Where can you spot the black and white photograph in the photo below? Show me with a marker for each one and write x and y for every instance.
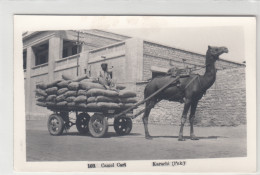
(135, 93)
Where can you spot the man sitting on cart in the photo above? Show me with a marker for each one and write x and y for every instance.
(105, 77)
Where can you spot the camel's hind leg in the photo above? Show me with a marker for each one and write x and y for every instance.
(148, 107)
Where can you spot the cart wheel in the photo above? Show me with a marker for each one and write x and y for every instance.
(98, 125)
(123, 125)
(55, 124)
(82, 123)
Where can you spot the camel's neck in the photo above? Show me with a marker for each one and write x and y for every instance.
(210, 74)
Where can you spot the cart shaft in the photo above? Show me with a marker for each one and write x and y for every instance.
(148, 98)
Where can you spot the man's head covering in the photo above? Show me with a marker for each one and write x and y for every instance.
(104, 66)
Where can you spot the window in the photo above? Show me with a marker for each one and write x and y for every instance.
(41, 53)
(69, 48)
(65, 53)
(24, 59)
(74, 50)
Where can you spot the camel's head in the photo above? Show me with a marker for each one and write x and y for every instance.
(216, 51)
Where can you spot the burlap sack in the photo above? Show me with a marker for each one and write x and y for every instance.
(70, 99)
(40, 99)
(82, 105)
(61, 98)
(120, 87)
(81, 99)
(128, 100)
(51, 104)
(90, 85)
(63, 84)
(121, 105)
(41, 104)
(91, 99)
(128, 105)
(62, 91)
(52, 84)
(92, 106)
(73, 86)
(110, 93)
(107, 99)
(101, 92)
(81, 78)
(86, 81)
(41, 86)
(40, 92)
(62, 104)
(51, 98)
(71, 104)
(82, 92)
(126, 94)
(93, 80)
(52, 90)
(66, 77)
(108, 105)
(70, 93)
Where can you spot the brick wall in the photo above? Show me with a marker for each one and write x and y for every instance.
(223, 105)
(161, 55)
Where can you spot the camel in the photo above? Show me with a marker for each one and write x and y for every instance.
(190, 90)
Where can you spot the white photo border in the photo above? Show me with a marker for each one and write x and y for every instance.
(242, 164)
(121, 7)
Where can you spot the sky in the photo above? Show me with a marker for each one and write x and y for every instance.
(191, 33)
(188, 33)
(195, 39)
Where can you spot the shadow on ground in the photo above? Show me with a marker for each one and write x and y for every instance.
(188, 137)
(107, 135)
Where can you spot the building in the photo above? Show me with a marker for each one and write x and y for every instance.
(49, 54)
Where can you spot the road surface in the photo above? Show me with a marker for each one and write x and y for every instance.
(215, 142)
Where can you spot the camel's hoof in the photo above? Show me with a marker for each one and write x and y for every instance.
(194, 138)
(148, 137)
(181, 139)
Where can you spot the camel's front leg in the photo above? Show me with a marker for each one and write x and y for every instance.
(184, 117)
(192, 117)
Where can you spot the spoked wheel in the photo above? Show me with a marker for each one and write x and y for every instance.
(82, 123)
(123, 125)
(55, 124)
(98, 125)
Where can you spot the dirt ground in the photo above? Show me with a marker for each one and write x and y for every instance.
(215, 142)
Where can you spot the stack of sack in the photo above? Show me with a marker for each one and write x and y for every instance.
(83, 93)
(109, 99)
(46, 94)
(41, 95)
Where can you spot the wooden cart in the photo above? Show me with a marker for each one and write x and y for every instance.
(97, 124)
